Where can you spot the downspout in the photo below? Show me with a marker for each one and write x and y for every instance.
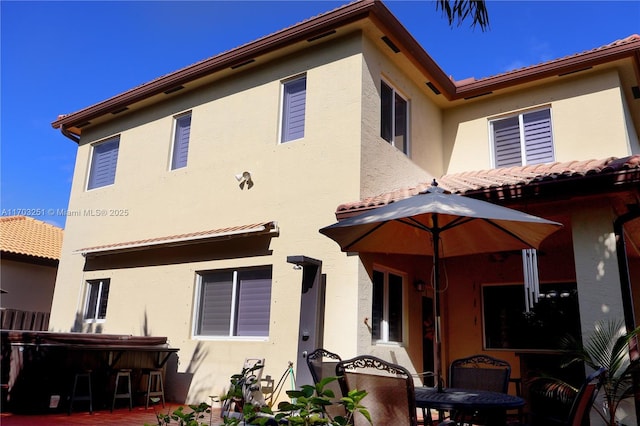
(69, 135)
(625, 284)
(623, 266)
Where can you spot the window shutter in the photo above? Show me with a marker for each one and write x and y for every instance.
(506, 139)
(254, 306)
(103, 163)
(181, 142)
(215, 305)
(293, 114)
(538, 137)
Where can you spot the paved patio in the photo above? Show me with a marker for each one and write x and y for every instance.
(139, 416)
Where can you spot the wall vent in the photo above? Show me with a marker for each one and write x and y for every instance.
(242, 64)
(573, 72)
(173, 89)
(432, 87)
(118, 111)
(323, 35)
(390, 44)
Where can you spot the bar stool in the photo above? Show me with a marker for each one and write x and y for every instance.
(76, 396)
(124, 374)
(154, 385)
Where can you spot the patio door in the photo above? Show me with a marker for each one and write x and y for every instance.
(311, 324)
(427, 338)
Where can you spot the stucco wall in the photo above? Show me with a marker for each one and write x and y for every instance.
(588, 121)
(298, 184)
(28, 287)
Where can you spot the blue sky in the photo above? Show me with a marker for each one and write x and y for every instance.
(59, 57)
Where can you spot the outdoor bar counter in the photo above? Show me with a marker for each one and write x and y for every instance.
(38, 368)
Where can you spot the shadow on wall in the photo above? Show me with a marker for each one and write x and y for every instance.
(179, 384)
(80, 326)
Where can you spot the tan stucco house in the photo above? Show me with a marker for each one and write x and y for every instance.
(29, 256)
(197, 199)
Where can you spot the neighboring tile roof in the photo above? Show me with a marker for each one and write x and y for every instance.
(27, 236)
(634, 38)
(466, 182)
(263, 227)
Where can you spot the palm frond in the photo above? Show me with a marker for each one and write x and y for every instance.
(460, 10)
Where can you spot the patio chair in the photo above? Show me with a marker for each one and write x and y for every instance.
(479, 372)
(390, 393)
(582, 403)
(322, 364)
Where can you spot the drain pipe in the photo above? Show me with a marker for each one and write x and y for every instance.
(69, 135)
(625, 284)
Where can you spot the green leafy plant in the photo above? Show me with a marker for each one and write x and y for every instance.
(182, 417)
(606, 347)
(307, 407)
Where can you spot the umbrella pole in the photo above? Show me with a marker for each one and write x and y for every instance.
(436, 295)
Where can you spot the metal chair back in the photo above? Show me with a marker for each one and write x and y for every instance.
(583, 402)
(481, 372)
(322, 364)
(390, 391)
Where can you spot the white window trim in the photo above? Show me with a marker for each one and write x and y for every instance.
(384, 328)
(281, 107)
(88, 172)
(196, 312)
(523, 146)
(393, 121)
(172, 143)
(88, 285)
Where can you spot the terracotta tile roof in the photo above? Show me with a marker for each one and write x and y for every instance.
(28, 236)
(263, 227)
(634, 38)
(465, 182)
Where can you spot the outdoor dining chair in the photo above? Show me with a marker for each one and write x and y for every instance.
(322, 364)
(583, 401)
(390, 393)
(479, 372)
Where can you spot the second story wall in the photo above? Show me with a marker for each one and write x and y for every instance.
(589, 120)
(385, 167)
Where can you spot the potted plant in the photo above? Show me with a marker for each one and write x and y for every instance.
(307, 407)
(606, 347)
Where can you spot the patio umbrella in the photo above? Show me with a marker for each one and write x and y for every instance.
(440, 224)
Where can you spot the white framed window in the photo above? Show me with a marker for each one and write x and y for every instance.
(394, 120)
(96, 300)
(234, 302)
(104, 159)
(522, 139)
(294, 99)
(387, 306)
(182, 133)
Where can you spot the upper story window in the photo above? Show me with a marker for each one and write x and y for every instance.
(234, 302)
(96, 300)
(104, 159)
(181, 141)
(394, 118)
(523, 139)
(387, 306)
(294, 99)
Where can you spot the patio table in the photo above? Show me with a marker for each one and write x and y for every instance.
(492, 405)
